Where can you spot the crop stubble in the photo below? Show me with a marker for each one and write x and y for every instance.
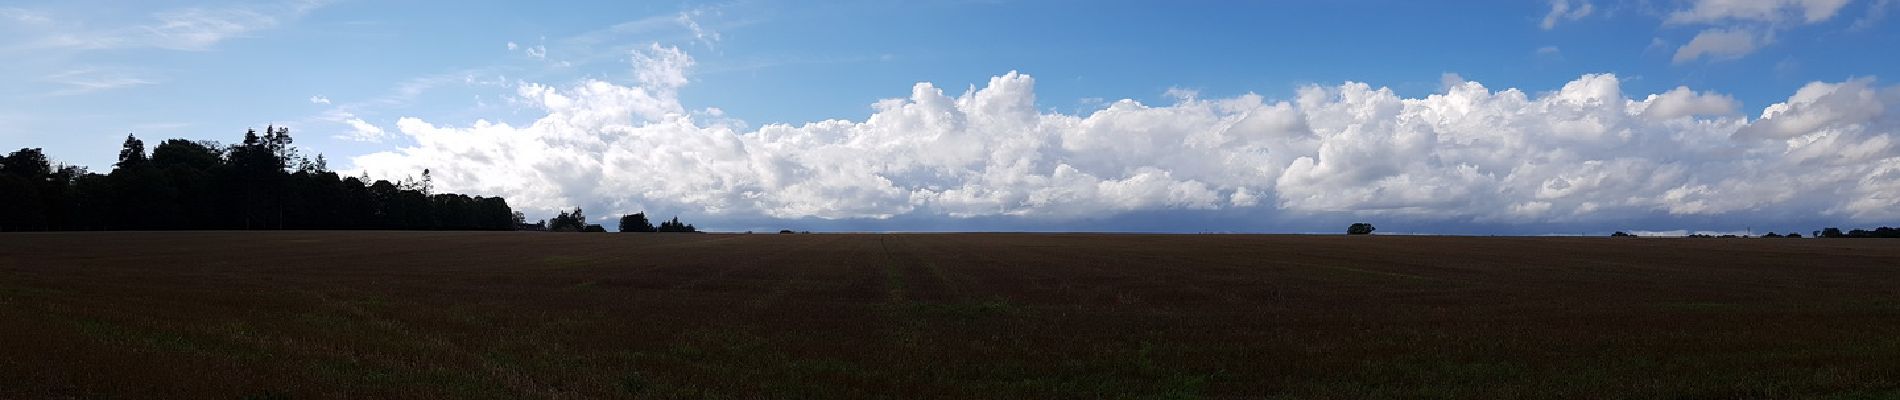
(539, 315)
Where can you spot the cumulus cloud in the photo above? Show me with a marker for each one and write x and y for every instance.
(362, 131)
(1683, 102)
(319, 99)
(1718, 44)
(1584, 152)
(1819, 108)
(1564, 10)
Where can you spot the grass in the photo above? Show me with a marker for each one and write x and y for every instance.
(298, 315)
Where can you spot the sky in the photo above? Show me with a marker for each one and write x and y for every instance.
(1485, 117)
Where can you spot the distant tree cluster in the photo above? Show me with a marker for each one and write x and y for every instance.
(260, 183)
(1770, 235)
(1360, 228)
(574, 221)
(676, 226)
(1881, 232)
(1829, 233)
(636, 222)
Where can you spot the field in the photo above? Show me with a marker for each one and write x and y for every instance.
(538, 315)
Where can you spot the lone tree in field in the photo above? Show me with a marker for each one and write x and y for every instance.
(1360, 228)
(635, 222)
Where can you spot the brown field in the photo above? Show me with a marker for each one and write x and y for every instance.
(537, 315)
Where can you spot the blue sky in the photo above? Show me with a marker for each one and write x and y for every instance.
(560, 105)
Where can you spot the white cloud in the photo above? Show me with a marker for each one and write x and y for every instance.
(1787, 67)
(1551, 53)
(1583, 152)
(88, 80)
(1819, 108)
(362, 131)
(198, 29)
(701, 34)
(1563, 10)
(319, 99)
(1769, 11)
(538, 52)
(188, 29)
(1737, 28)
(1718, 44)
(1683, 102)
(1876, 12)
(25, 16)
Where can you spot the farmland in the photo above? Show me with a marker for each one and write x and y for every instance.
(545, 315)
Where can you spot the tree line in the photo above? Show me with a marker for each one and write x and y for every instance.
(1881, 232)
(1829, 233)
(637, 222)
(576, 221)
(259, 183)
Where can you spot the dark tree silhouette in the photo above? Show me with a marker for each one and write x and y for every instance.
(676, 226)
(1360, 228)
(132, 153)
(37, 195)
(27, 163)
(203, 156)
(260, 183)
(568, 222)
(1881, 232)
(636, 222)
(23, 177)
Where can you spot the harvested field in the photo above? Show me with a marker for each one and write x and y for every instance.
(540, 315)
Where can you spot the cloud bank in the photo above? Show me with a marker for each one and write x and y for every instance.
(1586, 152)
